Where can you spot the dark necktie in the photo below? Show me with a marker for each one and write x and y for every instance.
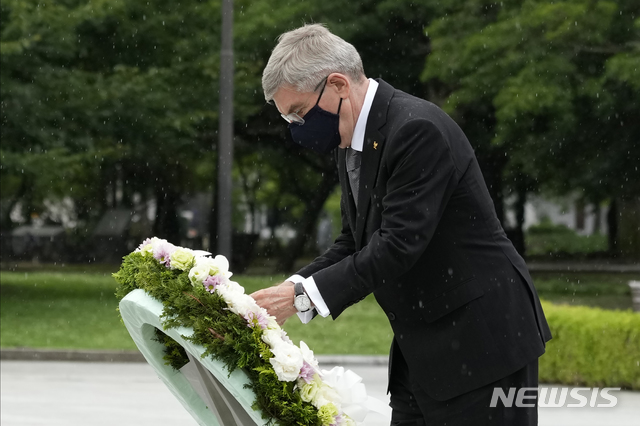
(353, 159)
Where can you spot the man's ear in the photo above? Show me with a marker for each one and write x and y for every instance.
(341, 83)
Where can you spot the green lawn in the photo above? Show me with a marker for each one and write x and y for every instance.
(78, 310)
(60, 310)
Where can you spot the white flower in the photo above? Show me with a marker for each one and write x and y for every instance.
(229, 290)
(181, 258)
(272, 337)
(234, 287)
(151, 245)
(308, 390)
(198, 273)
(144, 246)
(241, 304)
(207, 266)
(146, 249)
(317, 392)
(346, 421)
(307, 355)
(285, 336)
(219, 266)
(287, 362)
(325, 395)
(272, 323)
(200, 253)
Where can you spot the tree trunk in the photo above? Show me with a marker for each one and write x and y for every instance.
(628, 242)
(612, 225)
(213, 219)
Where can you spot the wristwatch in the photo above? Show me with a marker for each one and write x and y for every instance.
(301, 301)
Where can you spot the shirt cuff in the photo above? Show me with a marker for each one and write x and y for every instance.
(307, 316)
(312, 291)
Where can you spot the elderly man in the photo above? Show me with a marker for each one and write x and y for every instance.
(419, 231)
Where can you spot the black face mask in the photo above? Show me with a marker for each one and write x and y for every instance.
(320, 131)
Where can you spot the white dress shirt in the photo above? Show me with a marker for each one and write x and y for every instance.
(357, 143)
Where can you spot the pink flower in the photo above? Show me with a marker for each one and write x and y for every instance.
(258, 319)
(339, 420)
(211, 282)
(162, 255)
(307, 372)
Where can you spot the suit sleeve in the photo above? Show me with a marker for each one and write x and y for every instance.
(422, 177)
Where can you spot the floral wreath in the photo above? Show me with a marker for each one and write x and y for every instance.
(196, 292)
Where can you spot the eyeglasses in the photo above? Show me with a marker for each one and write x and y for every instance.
(293, 117)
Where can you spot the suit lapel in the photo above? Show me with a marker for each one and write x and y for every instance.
(374, 144)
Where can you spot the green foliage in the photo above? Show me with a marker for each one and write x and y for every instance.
(226, 336)
(546, 227)
(124, 93)
(552, 85)
(98, 92)
(175, 355)
(592, 347)
(547, 239)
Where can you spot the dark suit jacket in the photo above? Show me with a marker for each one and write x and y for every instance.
(426, 242)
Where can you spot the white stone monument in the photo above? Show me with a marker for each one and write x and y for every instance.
(203, 386)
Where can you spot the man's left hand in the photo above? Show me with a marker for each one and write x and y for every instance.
(277, 300)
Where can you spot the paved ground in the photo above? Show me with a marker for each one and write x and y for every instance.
(106, 393)
(54, 393)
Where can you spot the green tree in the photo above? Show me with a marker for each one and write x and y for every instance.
(101, 95)
(108, 99)
(549, 90)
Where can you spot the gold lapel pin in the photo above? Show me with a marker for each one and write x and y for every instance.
(375, 145)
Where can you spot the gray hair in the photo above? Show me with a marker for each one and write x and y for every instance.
(304, 56)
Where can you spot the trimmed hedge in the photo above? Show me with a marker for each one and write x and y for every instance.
(592, 347)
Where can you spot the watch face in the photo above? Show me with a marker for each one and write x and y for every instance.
(302, 303)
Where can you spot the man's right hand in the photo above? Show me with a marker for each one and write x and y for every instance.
(277, 300)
